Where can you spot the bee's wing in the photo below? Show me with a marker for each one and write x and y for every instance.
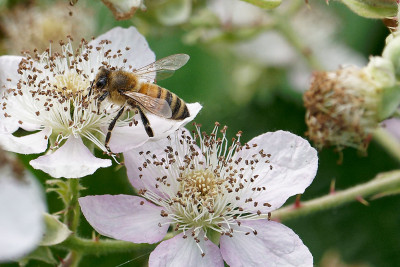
(163, 68)
(157, 106)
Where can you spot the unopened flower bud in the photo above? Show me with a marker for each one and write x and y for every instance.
(123, 9)
(377, 9)
(345, 106)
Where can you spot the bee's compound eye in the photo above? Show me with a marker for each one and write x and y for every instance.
(101, 83)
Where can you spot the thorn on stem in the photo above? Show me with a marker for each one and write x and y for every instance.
(297, 203)
(362, 201)
(332, 189)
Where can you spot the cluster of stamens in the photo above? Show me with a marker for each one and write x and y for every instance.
(207, 187)
(342, 108)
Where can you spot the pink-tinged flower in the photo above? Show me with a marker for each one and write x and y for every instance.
(47, 96)
(22, 206)
(217, 197)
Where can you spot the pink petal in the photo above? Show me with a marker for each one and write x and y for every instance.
(145, 178)
(294, 165)
(139, 54)
(124, 217)
(28, 144)
(8, 70)
(22, 206)
(274, 245)
(393, 127)
(72, 160)
(179, 251)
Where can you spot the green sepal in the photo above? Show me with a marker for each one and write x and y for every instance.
(374, 9)
(213, 236)
(56, 231)
(390, 102)
(265, 4)
(43, 254)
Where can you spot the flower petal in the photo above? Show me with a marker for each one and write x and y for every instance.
(145, 177)
(28, 144)
(179, 251)
(292, 167)
(124, 217)
(21, 222)
(274, 245)
(137, 56)
(128, 137)
(8, 71)
(164, 127)
(71, 160)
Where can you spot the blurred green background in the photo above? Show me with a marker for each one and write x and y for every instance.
(360, 234)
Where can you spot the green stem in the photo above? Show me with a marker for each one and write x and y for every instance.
(101, 247)
(388, 142)
(71, 219)
(382, 182)
(72, 214)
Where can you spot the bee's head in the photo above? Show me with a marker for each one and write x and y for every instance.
(101, 78)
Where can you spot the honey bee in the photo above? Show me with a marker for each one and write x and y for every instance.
(124, 88)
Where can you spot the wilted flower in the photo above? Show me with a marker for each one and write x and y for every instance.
(216, 196)
(22, 206)
(344, 107)
(48, 94)
(28, 28)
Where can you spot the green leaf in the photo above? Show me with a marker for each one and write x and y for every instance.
(265, 4)
(42, 254)
(375, 9)
(56, 231)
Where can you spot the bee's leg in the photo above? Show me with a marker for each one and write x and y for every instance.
(90, 89)
(143, 117)
(111, 127)
(101, 98)
(146, 122)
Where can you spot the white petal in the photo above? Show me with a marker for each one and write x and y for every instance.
(21, 222)
(127, 137)
(8, 70)
(164, 127)
(124, 217)
(28, 144)
(236, 13)
(274, 245)
(138, 56)
(179, 251)
(294, 165)
(71, 160)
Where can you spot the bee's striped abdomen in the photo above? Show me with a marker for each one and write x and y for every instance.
(177, 105)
